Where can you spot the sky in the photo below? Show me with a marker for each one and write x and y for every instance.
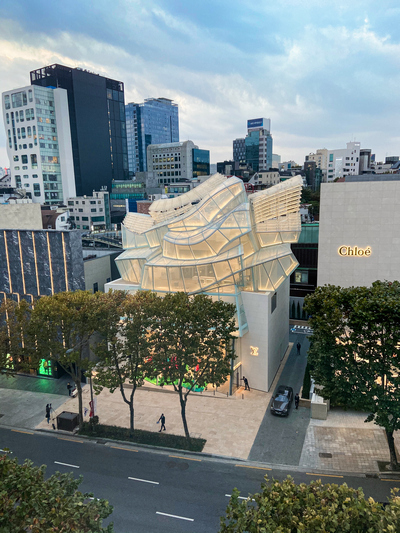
(324, 72)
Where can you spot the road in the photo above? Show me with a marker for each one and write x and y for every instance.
(291, 431)
(158, 491)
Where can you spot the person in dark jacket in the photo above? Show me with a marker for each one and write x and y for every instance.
(162, 419)
(246, 383)
(48, 409)
(298, 348)
(297, 400)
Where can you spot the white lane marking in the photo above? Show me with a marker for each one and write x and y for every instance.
(144, 480)
(240, 497)
(176, 516)
(66, 464)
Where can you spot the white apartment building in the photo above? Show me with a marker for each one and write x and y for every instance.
(90, 213)
(171, 162)
(266, 179)
(344, 162)
(36, 122)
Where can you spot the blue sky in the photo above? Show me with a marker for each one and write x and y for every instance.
(325, 72)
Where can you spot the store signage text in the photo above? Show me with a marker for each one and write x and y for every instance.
(355, 251)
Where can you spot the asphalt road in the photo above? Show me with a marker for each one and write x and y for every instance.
(280, 439)
(159, 491)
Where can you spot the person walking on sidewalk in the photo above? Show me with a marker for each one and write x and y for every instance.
(162, 419)
(69, 387)
(48, 409)
(298, 348)
(297, 400)
(246, 383)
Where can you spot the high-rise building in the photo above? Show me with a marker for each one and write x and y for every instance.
(201, 162)
(155, 121)
(255, 150)
(39, 147)
(97, 121)
(259, 144)
(239, 151)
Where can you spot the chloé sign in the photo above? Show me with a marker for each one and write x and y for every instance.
(348, 251)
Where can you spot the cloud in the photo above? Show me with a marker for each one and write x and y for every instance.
(323, 72)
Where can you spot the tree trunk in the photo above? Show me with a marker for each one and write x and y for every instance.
(394, 465)
(183, 414)
(79, 389)
(132, 411)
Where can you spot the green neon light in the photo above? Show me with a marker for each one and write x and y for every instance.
(44, 368)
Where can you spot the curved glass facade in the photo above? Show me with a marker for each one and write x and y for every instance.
(225, 243)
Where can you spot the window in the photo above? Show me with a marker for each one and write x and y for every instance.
(19, 99)
(301, 276)
(16, 158)
(85, 219)
(80, 210)
(93, 210)
(85, 227)
(330, 158)
(36, 189)
(70, 203)
(34, 176)
(95, 287)
(24, 159)
(273, 303)
(77, 218)
(33, 161)
(7, 101)
(8, 118)
(92, 201)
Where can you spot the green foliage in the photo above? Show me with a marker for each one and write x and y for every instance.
(138, 436)
(61, 328)
(355, 349)
(124, 322)
(284, 507)
(29, 502)
(191, 341)
(13, 320)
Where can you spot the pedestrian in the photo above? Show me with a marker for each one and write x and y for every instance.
(69, 387)
(298, 348)
(162, 419)
(48, 409)
(297, 400)
(246, 383)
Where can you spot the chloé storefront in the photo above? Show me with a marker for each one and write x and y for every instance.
(359, 231)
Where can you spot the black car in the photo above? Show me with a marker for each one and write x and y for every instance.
(282, 401)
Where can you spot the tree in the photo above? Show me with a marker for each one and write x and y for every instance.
(191, 342)
(125, 350)
(13, 320)
(355, 350)
(284, 507)
(29, 502)
(61, 328)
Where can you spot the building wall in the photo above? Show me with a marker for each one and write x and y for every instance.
(97, 120)
(97, 271)
(171, 162)
(343, 162)
(39, 142)
(40, 263)
(20, 216)
(90, 212)
(363, 214)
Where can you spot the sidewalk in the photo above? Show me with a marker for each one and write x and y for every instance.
(229, 424)
(344, 443)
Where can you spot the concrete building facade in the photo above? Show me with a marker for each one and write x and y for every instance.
(359, 238)
(171, 162)
(39, 147)
(343, 162)
(89, 213)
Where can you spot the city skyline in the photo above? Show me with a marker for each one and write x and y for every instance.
(324, 73)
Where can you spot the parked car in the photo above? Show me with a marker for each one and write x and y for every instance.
(282, 401)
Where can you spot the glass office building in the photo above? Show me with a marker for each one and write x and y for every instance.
(201, 162)
(97, 121)
(155, 121)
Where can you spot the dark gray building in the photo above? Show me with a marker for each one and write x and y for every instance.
(97, 120)
(36, 263)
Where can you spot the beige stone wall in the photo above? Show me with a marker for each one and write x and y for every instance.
(20, 216)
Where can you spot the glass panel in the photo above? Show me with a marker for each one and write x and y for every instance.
(222, 269)
(275, 272)
(202, 250)
(184, 252)
(268, 239)
(175, 279)
(235, 264)
(287, 263)
(231, 233)
(169, 249)
(160, 279)
(147, 282)
(209, 210)
(217, 241)
(191, 279)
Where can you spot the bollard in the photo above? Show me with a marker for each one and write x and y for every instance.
(242, 396)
